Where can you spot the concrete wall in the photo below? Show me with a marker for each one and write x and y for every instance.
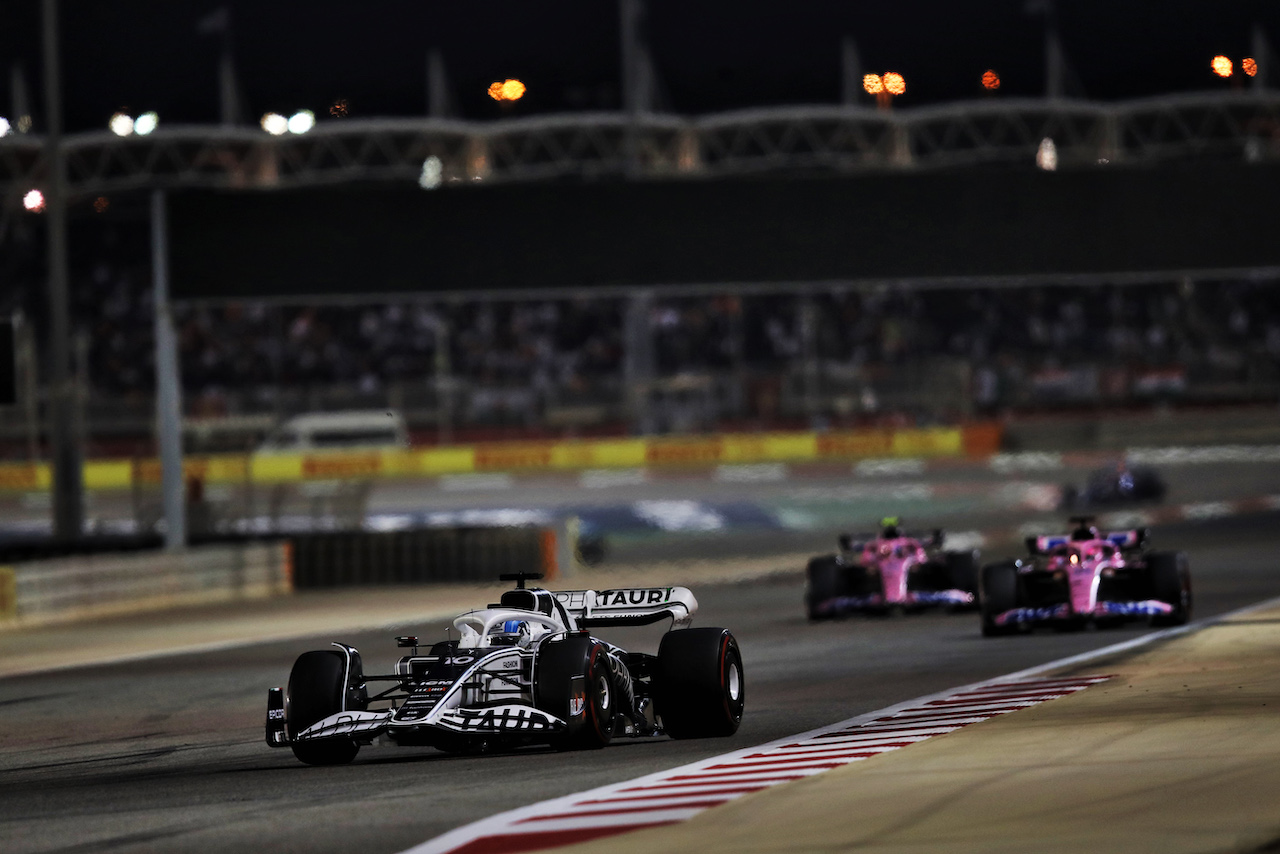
(102, 585)
(917, 226)
(1107, 432)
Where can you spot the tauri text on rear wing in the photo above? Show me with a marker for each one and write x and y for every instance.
(629, 606)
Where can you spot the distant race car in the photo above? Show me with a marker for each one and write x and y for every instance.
(891, 570)
(1086, 576)
(1118, 484)
(526, 670)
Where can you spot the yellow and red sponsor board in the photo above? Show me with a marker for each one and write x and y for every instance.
(546, 456)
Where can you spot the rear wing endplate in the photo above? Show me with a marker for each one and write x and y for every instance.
(629, 606)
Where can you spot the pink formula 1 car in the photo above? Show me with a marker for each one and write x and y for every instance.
(890, 571)
(1086, 576)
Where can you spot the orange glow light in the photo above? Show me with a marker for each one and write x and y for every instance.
(1221, 66)
(990, 80)
(873, 84)
(101, 204)
(508, 90)
(513, 90)
(894, 83)
(1250, 66)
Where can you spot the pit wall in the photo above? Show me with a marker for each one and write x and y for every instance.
(732, 448)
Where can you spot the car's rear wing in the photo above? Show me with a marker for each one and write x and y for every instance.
(629, 606)
(855, 542)
(1120, 539)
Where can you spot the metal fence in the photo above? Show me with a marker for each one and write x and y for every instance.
(584, 146)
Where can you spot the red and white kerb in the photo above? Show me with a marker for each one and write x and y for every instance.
(681, 793)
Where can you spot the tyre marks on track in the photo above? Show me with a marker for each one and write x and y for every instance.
(681, 793)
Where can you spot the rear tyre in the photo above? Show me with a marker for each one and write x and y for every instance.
(999, 594)
(699, 689)
(1171, 582)
(574, 684)
(316, 685)
(825, 577)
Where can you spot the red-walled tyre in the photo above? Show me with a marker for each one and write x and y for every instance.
(699, 689)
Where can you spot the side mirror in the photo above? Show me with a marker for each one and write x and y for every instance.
(406, 641)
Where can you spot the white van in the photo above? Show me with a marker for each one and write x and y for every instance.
(339, 431)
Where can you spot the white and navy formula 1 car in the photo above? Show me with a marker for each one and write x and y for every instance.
(887, 571)
(1086, 576)
(526, 670)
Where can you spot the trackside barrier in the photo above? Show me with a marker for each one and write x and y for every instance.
(526, 457)
(89, 586)
(431, 555)
(8, 593)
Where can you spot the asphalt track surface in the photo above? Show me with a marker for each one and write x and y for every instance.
(167, 755)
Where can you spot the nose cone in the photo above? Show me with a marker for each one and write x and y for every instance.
(893, 576)
(1082, 575)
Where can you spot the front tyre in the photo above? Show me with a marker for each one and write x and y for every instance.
(962, 569)
(1171, 583)
(999, 593)
(699, 688)
(316, 686)
(825, 582)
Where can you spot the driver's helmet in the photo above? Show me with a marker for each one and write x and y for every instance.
(513, 633)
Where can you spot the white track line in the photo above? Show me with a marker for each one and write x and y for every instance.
(681, 793)
(678, 794)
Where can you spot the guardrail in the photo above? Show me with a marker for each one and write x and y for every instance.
(547, 456)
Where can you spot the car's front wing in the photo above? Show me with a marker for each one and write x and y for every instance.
(513, 719)
(878, 602)
(1063, 611)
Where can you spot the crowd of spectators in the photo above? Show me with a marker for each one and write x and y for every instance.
(569, 346)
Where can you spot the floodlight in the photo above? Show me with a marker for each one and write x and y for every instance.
(146, 123)
(1221, 66)
(121, 124)
(4, 126)
(274, 123)
(1047, 155)
(33, 201)
(432, 173)
(302, 121)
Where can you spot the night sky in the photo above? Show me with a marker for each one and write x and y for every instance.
(711, 55)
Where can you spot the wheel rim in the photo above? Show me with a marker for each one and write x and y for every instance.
(735, 682)
(602, 693)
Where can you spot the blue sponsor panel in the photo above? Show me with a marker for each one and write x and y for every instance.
(1034, 615)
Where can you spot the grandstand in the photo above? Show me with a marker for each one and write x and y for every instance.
(523, 353)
